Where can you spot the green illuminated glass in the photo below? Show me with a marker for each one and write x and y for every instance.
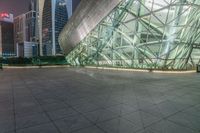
(157, 34)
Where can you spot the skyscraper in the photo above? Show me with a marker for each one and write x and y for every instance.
(24, 31)
(24, 27)
(6, 34)
(39, 12)
(33, 5)
(53, 20)
(71, 6)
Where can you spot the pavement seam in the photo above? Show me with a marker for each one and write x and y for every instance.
(14, 113)
(45, 112)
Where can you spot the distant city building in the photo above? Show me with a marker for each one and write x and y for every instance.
(62, 14)
(27, 49)
(39, 11)
(71, 6)
(33, 5)
(6, 17)
(6, 35)
(53, 20)
(24, 29)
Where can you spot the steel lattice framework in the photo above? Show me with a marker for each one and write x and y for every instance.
(157, 34)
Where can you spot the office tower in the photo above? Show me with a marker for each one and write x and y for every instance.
(38, 30)
(24, 31)
(71, 6)
(6, 35)
(53, 20)
(24, 27)
(33, 5)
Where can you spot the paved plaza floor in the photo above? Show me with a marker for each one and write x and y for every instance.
(65, 100)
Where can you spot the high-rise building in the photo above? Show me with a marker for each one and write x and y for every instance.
(24, 27)
(33, 5)
(71, 6)
(38, 30)
(6, 34)
(38, 5)
(53, 20)
(24, 30)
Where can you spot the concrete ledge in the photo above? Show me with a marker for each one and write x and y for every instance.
(142, 70)
(103, 68)
(34, 67)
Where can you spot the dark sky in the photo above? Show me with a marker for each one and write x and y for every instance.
(15, 7)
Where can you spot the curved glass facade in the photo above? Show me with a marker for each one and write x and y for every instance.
(156, 34)
(54, 19)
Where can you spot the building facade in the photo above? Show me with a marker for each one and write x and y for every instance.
(24, 30)
(24, 27)
(38, 30)
(6, 35)
(145, 34)
(27, 49)
(71, 7)
(53, 20)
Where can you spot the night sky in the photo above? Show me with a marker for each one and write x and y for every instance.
(15, 7)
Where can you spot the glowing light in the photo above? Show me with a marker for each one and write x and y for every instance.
(4, 15)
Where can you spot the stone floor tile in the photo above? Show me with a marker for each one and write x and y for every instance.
(87, 107)
(61, 113)
(31, 120)
(44, 128)
(90, 100)
(184, 119)
(54, 106)
(92, 129)
(72, 123)
(118, 125)
(6, 126)
(141, 119)
(100, 115)
(167, 127)
(122, 109)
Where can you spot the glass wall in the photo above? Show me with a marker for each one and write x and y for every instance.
(7, 38)
(61, 18)
(47, 28)
(54, 19)
(153, 34)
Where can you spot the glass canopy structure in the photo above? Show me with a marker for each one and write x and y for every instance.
(147, 34)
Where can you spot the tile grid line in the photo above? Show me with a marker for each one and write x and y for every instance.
(45, 112)
(94, 124)
(13, 102)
